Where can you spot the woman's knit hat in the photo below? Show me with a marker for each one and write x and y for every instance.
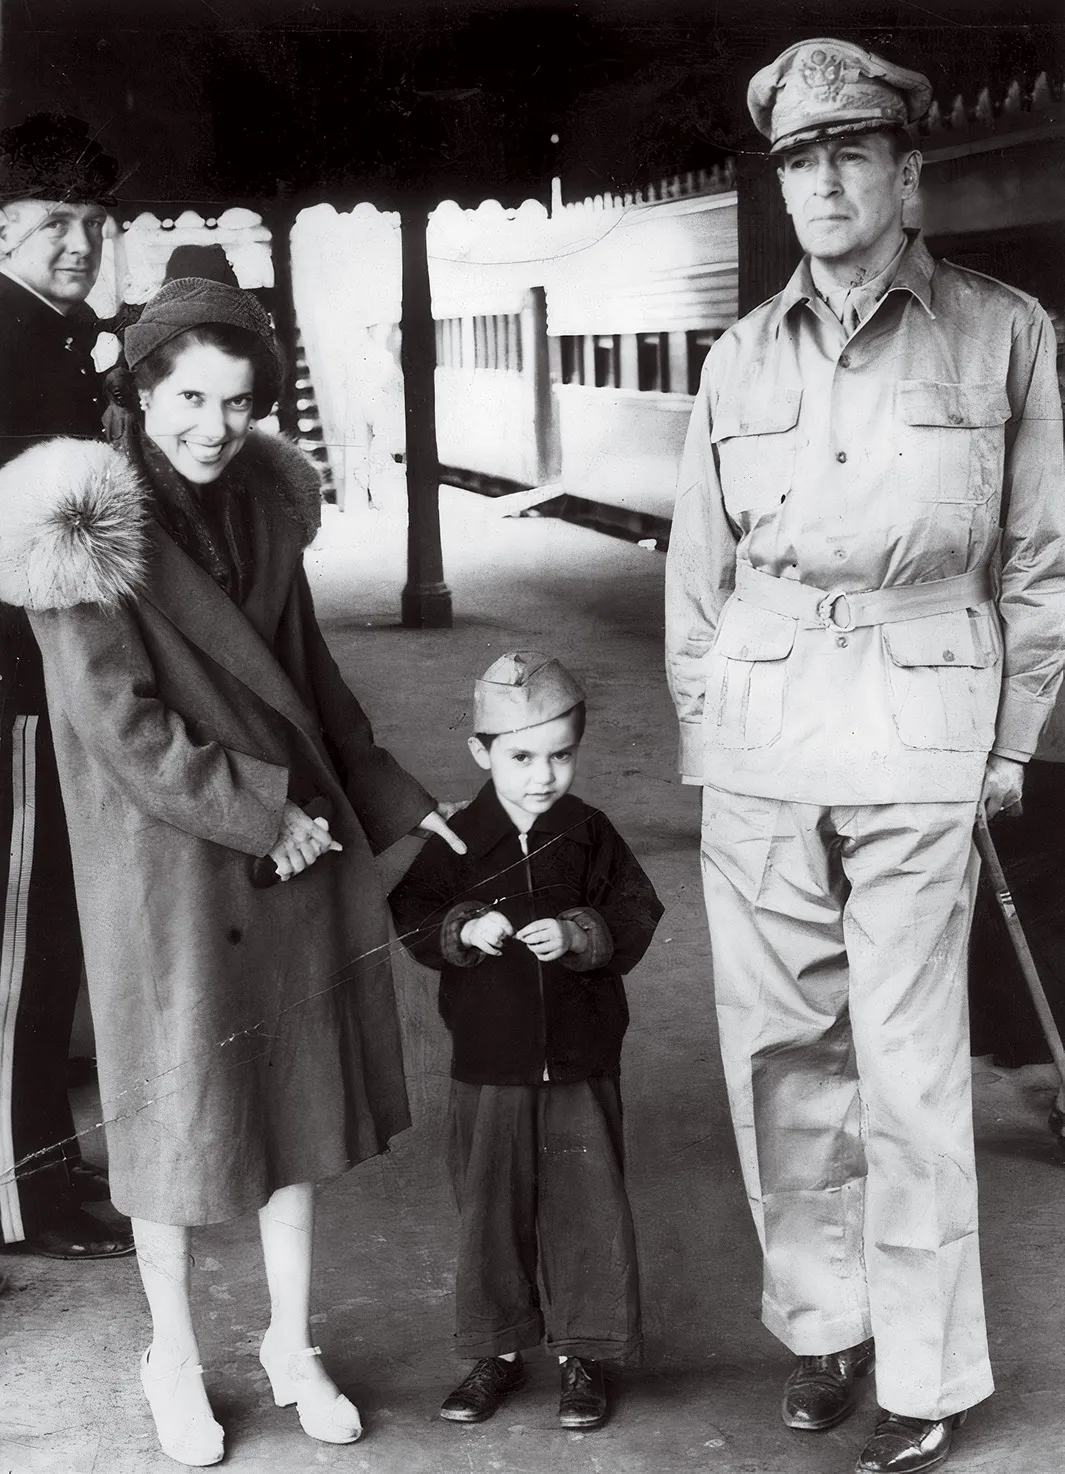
(193, 302)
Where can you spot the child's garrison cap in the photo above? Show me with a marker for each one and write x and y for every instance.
(522, 689)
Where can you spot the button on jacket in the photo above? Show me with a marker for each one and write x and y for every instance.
(513, 1019)
(864, 462)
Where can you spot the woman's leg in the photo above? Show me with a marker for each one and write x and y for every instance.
(164, 1263)
(170, 1372)
(286, 1225)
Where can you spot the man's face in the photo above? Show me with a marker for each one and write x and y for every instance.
(845, 195)
(53, 247)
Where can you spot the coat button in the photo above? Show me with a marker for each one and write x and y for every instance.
(838, 553)
(844, 360)
(841, 456)
(743, 652)
(954, 418)
(842, 641)
(948, 655)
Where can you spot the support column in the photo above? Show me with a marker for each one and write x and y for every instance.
(426, 601)
(768, 250)
(281, 219)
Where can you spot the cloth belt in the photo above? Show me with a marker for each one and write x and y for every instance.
(821, 608)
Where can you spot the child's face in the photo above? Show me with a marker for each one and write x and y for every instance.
(531, 769)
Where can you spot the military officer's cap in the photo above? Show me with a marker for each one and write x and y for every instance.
(50, 156)
(825, 89)
(523, 689)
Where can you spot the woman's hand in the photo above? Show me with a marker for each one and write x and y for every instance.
(302, 841)
(551, 939)
(434, 823)
(487, 933)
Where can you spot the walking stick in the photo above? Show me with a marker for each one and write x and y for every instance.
(986, 845)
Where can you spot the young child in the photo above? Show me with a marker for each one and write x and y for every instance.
(531, 930)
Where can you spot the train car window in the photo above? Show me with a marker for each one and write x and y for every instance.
(652, 361)
(607, 351)
(449, 342)
(699, 344)
(571, 352)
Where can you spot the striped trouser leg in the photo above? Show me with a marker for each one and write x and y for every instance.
(18, 777)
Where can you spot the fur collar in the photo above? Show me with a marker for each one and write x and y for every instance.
(74, 514)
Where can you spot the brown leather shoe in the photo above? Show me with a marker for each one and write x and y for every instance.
(583, 1400)
(480, 1393)
(820, 1391)
(907, 1445)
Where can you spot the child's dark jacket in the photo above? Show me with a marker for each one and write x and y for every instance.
(511, 1017)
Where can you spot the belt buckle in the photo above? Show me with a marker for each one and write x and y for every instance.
(826, 611)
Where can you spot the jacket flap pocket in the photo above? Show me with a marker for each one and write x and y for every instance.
(941, 639)
(952, 406)
(748, 633)
(756, 415)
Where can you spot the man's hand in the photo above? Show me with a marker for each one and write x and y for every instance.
(551, 939)
(1003, 784)
(435, 823)
(302, 841)
(487, 933)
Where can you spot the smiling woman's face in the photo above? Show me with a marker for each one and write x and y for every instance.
(200, 414)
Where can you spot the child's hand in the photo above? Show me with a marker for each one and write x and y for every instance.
(551, 939)
(487, 933)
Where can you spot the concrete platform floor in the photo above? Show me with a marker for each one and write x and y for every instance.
(706, 1401)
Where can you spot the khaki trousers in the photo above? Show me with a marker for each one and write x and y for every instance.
(838, 937)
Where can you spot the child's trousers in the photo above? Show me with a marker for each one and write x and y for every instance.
(538, 1175)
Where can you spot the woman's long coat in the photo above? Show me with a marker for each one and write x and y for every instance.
(247, 1037)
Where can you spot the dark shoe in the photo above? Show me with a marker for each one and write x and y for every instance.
(583, 1400)
(907, 1445)
(88, 1183)
(820, 1391)
(479, 1395)
(75, 1234)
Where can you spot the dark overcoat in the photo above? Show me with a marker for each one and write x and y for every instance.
(48, 386)
(513, 1019)
(247, 1037)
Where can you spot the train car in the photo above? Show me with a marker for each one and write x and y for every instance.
(637, 289)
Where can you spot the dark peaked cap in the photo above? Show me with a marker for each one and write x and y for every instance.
(50, 156)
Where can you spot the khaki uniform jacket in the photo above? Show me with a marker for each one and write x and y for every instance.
(859, 465)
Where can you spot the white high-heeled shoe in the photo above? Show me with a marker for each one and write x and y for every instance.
(184, 1422)
(324, 1413)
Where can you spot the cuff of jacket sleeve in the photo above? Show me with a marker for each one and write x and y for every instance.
(264, 787)
(600, 947)
(451, 946)
(1014, 757)
(690, 763)
(1021, 718)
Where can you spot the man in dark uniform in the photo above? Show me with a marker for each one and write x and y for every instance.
(54, 182)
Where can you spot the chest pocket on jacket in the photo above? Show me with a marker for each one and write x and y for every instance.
(755, 442)
(943, 678)
(746, 676)
(951, 440)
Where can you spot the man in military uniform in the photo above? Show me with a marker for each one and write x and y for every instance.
(851, 682)
(54, 182)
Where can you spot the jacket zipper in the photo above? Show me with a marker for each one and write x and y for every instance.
(523, 840)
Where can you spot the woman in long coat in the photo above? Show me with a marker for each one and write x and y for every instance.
(246, 1030)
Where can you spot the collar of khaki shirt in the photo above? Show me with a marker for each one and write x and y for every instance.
(913, 275)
